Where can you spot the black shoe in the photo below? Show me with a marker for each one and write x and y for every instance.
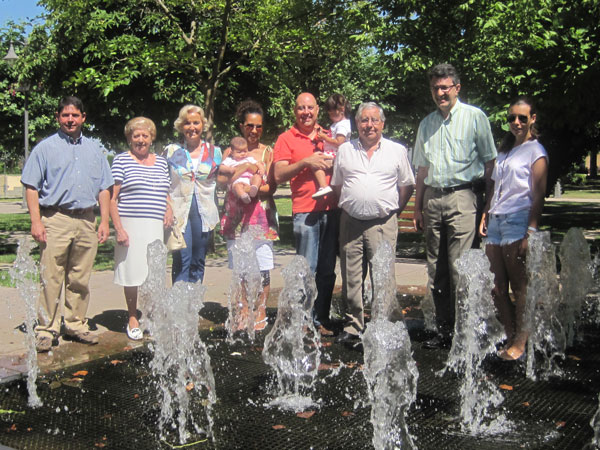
(347, 338)
(438, 341)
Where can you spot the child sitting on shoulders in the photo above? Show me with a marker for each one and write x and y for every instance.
(245, 186)
(339, 110)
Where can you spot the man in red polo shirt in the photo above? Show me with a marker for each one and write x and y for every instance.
(297, 153)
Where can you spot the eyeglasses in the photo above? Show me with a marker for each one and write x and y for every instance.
(365, 121)
(442, 88)
(522, 118)
(251, 126)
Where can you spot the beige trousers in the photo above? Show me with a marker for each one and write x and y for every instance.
(66, 258)
(450, 223)
(359, 240)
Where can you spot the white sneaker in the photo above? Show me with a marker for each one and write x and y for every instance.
(322, 191)
(135, 334)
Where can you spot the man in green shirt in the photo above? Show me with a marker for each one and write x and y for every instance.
(454, 155)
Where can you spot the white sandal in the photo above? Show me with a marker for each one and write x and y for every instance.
(135, 334)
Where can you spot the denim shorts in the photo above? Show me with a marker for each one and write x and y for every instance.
(504, 229)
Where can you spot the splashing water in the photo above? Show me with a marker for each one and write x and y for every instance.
(477, 331)
(390, 371)
(24, 273)
(595, 424)
(593, 301)
(180, 363)
(428, 309)
(292, 346)
(576, 280)
(546, 334)
(246, 288)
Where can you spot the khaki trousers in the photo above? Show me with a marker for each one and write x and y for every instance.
(66, 258)
(449, 232)
(359, 240)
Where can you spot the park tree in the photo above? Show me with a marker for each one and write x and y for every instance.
(548, 49)
(16, 94)
(126, 57)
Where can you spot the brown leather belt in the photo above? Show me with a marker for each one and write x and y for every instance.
(77, 212)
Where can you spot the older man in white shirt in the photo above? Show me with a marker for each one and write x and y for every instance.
(374, 181)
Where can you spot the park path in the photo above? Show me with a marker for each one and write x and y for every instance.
(107, 311)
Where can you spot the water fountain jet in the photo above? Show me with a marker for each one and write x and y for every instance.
(477, 331)
(292, 346)
(245, 289)
(24, 273)
(575, 279)
(180, 362)
(546, 333)
(390, 370)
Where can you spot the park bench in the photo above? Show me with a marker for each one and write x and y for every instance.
(405, 218)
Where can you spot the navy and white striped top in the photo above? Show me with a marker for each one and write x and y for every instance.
(144, 189)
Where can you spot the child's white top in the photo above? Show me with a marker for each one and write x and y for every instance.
(342, 127)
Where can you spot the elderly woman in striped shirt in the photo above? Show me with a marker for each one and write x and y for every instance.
(139, 211)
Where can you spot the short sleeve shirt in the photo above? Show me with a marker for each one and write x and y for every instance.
(293, 146)
(66, 172)
(454, 149)
(144, 189)
(369, 187)
(512, 178)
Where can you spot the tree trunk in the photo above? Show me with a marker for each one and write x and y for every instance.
(217, 74)
(594, 163)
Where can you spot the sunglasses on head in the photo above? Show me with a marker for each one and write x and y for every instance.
(522, 118)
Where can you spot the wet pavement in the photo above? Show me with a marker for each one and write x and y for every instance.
(107, 314)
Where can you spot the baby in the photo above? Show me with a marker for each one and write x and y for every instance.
(246, 185)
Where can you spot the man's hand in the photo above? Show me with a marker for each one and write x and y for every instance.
(418, 221)
(38, 231)
(318, 160)
(103, 232)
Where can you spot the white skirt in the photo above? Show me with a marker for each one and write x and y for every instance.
(131, 265)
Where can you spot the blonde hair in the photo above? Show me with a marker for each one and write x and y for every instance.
(184, 112)
(138, 123)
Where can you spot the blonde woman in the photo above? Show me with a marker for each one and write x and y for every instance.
(193, 166)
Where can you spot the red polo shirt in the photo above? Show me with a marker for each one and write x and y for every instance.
(292, 146)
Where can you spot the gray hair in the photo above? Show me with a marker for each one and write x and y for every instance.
(369, 105)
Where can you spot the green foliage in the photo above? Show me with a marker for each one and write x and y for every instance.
(14, 88)
(149, 57)
(126, 58)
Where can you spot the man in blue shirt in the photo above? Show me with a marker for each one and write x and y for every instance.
(64, 177)
(454, 156)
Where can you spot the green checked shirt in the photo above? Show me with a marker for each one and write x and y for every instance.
(455, 149)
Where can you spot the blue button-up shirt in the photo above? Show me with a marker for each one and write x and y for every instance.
(66, 172)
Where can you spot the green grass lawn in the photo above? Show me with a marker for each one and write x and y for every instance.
(558, 217)
(588, 194)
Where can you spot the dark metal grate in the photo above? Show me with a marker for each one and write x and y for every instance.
(115, 406)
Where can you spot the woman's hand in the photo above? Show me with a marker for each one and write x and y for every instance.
(523, 246)
(122, 237)
(168, 218)
(483, 224)
(260, 169)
